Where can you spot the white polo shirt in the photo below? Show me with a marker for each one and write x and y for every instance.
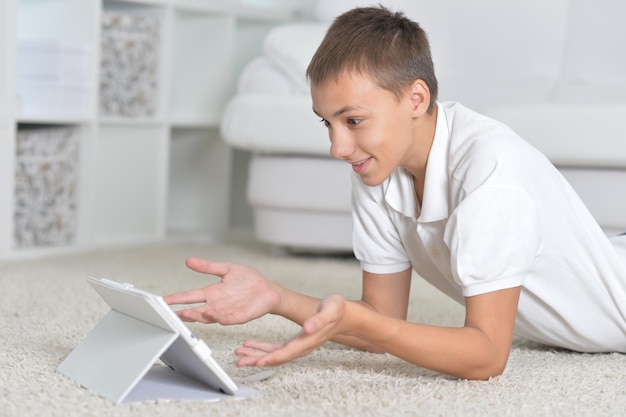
(496, 214)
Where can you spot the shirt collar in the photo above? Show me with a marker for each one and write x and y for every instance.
(400, 192)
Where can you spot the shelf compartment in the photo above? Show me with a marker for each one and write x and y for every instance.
(54, 80)
(59, 20)
(129, 178)
(55, 51)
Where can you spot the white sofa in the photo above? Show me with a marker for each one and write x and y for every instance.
(555, 71)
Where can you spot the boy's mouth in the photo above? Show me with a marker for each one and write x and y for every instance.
(359, 163)
(360, 166)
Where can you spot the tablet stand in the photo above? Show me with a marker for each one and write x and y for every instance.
(116, 355)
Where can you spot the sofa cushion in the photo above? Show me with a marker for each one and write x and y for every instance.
(300, 183)
(569, 134)
(291, 46)
(277, 124)
(261, 76)
(301, 202)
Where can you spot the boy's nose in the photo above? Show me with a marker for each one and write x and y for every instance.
(341, 146)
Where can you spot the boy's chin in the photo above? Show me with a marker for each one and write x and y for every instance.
(372, 181)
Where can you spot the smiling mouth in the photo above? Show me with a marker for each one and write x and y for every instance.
(359, 163)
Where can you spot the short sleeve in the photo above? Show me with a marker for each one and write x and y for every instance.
(376, 241)
(494, 237)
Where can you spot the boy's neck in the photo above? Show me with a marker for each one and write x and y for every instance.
(426, 135)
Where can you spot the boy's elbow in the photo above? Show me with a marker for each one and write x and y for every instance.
(485, 374)
(490, 369)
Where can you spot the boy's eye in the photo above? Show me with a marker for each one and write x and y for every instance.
(325, 122)
(354, 122)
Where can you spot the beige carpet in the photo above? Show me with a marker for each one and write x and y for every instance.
(46, 308)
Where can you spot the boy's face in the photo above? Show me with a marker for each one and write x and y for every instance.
(367, 125)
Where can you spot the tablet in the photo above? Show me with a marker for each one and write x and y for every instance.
(188, 354)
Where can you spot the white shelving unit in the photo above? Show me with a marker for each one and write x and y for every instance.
(7, 134)
(149, 169)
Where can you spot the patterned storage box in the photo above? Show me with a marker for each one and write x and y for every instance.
(129, 65)
(46, 185)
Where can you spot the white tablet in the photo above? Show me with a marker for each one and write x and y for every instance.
(188, 354)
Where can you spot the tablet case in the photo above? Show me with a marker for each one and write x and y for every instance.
(121, 349)
(116, 355)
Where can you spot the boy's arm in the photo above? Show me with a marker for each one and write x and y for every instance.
(243, 294)
(386, 294)
(478, 350)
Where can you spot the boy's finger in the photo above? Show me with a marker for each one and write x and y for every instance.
(262, 346)
(186, 297)
(207, 267)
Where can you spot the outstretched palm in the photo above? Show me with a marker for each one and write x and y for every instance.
(326, 323)
(241, 295)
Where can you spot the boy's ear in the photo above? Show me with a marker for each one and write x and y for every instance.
(419, 97)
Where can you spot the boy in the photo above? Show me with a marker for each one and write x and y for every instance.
(454, 195)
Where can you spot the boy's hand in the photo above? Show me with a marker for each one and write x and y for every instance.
(242, 294)
(329, 321)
